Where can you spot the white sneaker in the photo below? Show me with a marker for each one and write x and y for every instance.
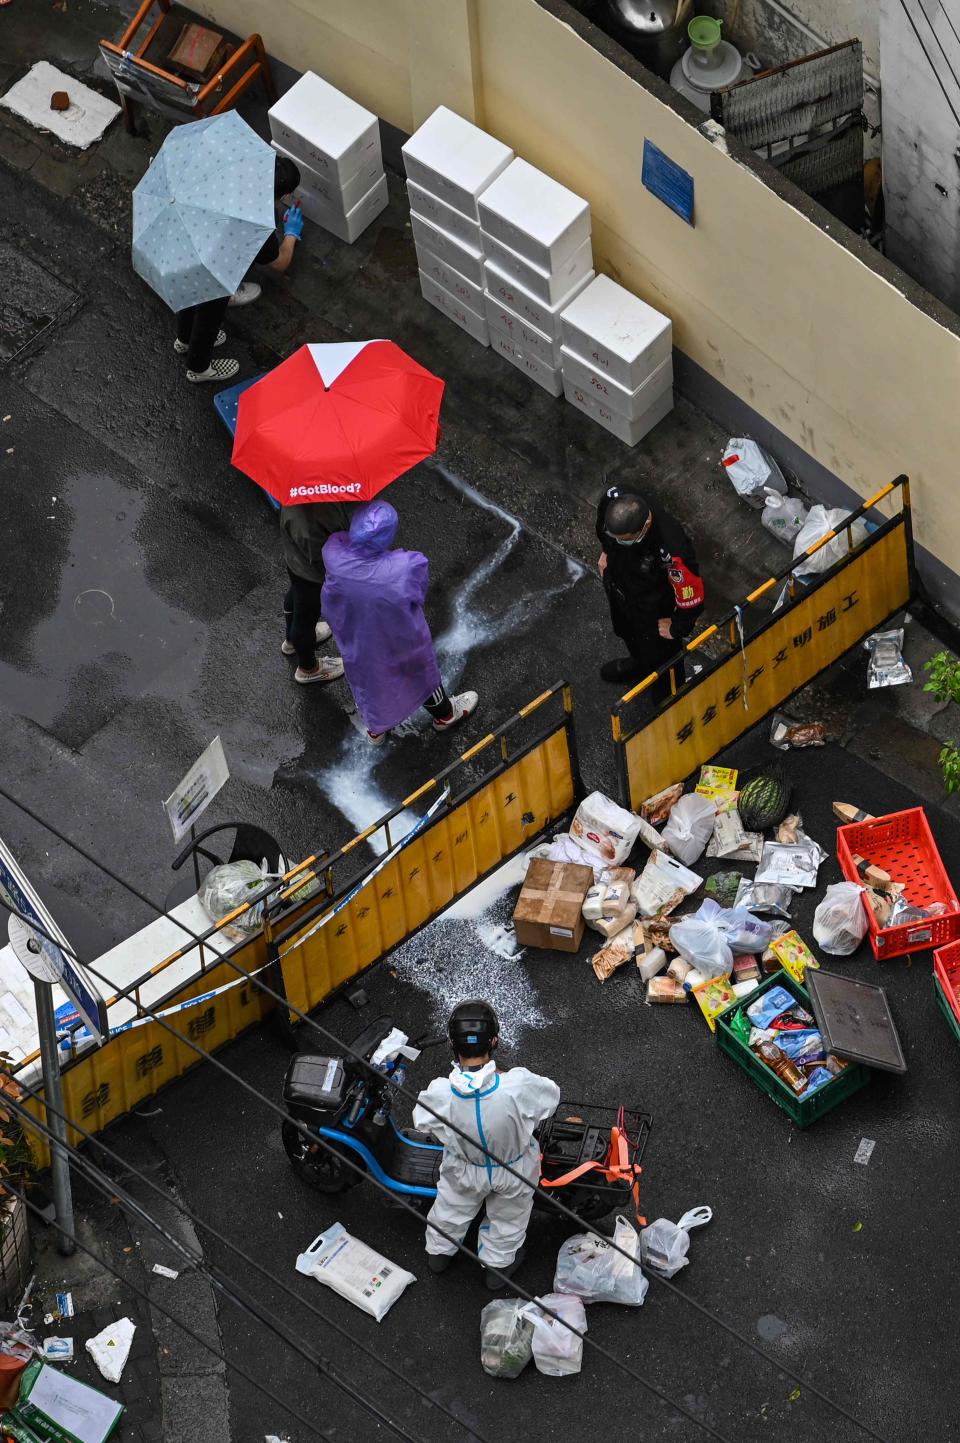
(222, 370)
(329, 668)
(246, 292)
(377, 739)
(181, 347)
(323, 634)
(463, 706)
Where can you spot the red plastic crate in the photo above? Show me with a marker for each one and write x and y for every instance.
(946, 968)
(902, 844)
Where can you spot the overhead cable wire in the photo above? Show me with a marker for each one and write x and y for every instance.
(198, 1260)
(936, 72)
(311, 1022)
(229, 1289)
(195, 1337)
(399, 1201)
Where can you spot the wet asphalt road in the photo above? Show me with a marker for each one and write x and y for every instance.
(141, 590)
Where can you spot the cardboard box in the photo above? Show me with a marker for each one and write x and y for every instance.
(196, 52)
(527, 338)
(454, 160)
(339, 197)
(615, 331)
(630, 432)
(325, 129)
(547, 913)
(466, 259)
(534, 215)
(445, 217)
(548, 376)
(438, 295)
(331, 217)
(628, 404)
(525, 304)
(550, 287)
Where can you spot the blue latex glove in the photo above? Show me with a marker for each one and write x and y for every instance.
(293, 222)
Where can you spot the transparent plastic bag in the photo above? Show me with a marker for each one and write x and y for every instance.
(709, 938)
(506, 1338)
(783, 516)
(557, 1350)
(887, 666)
(840, 922)
(227, 887)
(751, 470)
(664, 1245)
(820, 520)
(589, 1268)
(689, 827)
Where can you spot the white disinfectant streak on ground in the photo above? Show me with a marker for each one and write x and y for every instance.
(470, 949)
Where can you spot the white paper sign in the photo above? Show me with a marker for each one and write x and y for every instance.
(191, 798)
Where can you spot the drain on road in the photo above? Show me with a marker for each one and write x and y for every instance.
(31, 300)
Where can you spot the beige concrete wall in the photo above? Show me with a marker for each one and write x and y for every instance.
(767, 303)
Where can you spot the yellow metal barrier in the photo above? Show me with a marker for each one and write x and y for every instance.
(496, 810)
(765, 663)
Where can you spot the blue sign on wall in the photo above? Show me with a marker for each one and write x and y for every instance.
(668, 181)
(16, 892)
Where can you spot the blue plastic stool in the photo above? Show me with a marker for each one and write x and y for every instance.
(226, 403)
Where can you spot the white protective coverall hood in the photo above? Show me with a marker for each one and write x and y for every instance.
(498, 1111)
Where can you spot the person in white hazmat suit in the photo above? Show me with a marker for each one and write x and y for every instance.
(498, 1111)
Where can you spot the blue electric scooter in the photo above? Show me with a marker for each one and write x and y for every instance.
(348, 1104)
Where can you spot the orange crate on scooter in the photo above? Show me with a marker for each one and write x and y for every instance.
(902, 844)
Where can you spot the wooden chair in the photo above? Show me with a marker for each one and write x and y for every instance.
(140, 77)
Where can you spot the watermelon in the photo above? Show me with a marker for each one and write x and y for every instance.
(764, 801)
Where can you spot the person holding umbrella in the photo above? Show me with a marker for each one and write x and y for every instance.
(373, 600)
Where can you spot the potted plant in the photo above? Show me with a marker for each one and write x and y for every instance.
(944, 683)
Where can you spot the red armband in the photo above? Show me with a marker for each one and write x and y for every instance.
(687, 585)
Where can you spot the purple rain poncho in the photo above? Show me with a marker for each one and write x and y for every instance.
(373, 600)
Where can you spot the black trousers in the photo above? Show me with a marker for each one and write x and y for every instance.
(197, 328)
(650, 655)
(301, 610)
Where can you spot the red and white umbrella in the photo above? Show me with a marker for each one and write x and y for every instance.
(337, 422)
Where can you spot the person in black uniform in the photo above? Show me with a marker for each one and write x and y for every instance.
(652, 580)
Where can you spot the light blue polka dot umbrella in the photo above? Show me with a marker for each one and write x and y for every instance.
(203, 210)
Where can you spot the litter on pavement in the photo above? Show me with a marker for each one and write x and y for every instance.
(110, 1348)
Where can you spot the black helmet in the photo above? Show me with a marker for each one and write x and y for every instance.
(473, 1028)
(626, 516)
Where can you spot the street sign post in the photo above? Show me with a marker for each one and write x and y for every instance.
(42, 949)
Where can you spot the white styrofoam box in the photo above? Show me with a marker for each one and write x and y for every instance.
(345, 196)
(527, 338)
(324, 128)
(550, 287)
(465, 258)
(545, 318)
(445, 217)
(535, 215)
(628, 403)
(617, 332)
(549, 377)
(628, 431)
(445, 275)
(454, 160)
(475, 326)
(356, 220)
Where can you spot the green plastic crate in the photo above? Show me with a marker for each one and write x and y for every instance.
(803, 1110)
(946, 1009)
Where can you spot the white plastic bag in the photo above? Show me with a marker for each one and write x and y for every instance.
(689, 827)
(664, 1245)
(227, 887)
(506, 1338)
(819, 521)
(557, 1351)
(752, 470)
(589, 1268)
(110, 1349)
(345, 1264)
(709, 938)
(840, 921)
(783, 516)
(605, 829)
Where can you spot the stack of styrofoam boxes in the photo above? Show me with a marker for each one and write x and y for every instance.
(537, 258)
(449, 162)
(336, 144)
(617, 358)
